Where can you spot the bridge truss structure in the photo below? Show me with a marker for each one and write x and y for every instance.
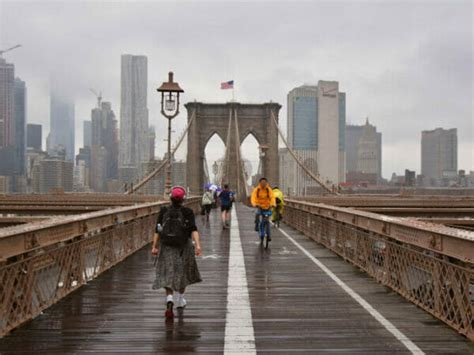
(420, 247)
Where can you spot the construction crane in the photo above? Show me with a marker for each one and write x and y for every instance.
(9, 49)
(98, 95)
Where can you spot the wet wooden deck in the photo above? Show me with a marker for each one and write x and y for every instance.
(295, 307)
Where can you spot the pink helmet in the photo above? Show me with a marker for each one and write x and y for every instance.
(178, 193)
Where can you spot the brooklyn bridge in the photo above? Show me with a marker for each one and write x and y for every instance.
(345, 273)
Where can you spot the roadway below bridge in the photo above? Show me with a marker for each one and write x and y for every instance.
(297, 296)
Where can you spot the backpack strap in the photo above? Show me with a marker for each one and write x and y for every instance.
(258, 191)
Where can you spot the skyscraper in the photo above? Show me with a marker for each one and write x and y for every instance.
(87, 133)
(104, 146)
(134, 131)
(34, 136)
(12, 127)
(363, 143)
(7, 102)
(439, 154)
(20, 127)
(316, 131)
(61, 135)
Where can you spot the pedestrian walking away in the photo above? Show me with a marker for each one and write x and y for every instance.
(176, 243)
(227, 198)
(207, 201)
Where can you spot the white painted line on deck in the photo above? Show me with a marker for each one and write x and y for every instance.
(239, 335)
(412, 347)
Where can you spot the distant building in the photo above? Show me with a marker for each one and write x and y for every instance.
(98, 170)
(439, 155)
(7, 160)
(470, 179)
(12, 128)
(55, 174)
(410, 178)
(156, 186)
(62, 131)
(34, 136)
(82, 169)
(316, 131)
(85, 156)
(104, 147)
(4, 184)
(128, 175)
(33, 158)
(179, 173)
(81, 177)
(134, 129)
(287, 171)
(20, 127)
(7, 103)
(87, 131)
(152, 143)
(363, 153)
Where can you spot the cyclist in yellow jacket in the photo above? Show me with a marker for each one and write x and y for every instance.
(280, 202)
(262, 198)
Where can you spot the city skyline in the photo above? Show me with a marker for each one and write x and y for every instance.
(398, 88)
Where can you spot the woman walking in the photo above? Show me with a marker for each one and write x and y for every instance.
(176, 267)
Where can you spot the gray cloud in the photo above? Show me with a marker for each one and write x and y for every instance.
(408, 66)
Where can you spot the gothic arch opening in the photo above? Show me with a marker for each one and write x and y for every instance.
(214, 152)
(231, 121)
(250, 151)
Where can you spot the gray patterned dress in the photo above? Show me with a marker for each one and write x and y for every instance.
(176, 268)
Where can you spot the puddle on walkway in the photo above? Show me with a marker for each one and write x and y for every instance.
(211, 256)
(286, 251)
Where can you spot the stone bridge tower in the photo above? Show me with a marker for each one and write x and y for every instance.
(232, 122)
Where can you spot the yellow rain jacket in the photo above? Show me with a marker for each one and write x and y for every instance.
(263, 197)
(278, 194)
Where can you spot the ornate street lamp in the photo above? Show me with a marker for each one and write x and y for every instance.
(170, 109)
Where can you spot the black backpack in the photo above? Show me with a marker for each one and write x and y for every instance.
(173, 231)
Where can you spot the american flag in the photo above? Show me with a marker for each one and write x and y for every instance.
(227, 85)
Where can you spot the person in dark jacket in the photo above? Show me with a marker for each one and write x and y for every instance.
(226, 198)
(176, 266)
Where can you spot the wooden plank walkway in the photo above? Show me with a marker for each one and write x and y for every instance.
(295, 307)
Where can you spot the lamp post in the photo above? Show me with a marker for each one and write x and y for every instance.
(170, 109)
(263, 158)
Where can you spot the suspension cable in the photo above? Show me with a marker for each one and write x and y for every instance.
(298, 160)
(227, 151)
(240, 162)
(164, 161)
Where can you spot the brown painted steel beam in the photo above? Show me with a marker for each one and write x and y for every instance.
(452, 242)
(21, 239)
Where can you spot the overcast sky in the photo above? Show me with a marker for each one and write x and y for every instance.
(406, 65)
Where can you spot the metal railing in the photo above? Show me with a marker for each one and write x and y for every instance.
(42, 262)
(429, 265)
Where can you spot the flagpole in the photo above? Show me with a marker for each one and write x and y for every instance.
(233, 93)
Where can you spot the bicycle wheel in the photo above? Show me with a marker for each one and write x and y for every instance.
(261, 230)
(267, 233)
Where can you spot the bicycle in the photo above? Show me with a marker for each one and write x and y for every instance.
(264, 226)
